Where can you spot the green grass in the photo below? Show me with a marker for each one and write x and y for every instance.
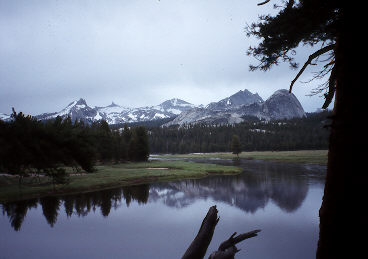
(301, 156)
(110, 176)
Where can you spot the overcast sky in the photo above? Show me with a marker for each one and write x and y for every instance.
(133, 52)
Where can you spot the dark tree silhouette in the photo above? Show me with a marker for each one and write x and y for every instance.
(235, 145)
(294, 134)
(138, 146)
(50, 208)
(29, 146)
(322, 24)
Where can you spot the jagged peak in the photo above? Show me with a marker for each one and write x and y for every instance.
(239, 98)
(244, 92)
(81, 101)
(247, 91)
(113, 104)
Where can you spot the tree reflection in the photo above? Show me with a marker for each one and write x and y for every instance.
(140, 193)
(17, 211)
(80, 205)
(50, 209)
(260, 183)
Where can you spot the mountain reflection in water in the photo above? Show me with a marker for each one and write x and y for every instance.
(286, 185)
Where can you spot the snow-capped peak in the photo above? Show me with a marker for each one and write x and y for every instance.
(4, 117)
(242, 97)
(175, 102)
(113, 105)
(81, 101)
(115, 113)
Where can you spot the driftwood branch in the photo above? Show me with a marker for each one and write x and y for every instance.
(198, 247)
(226, 250)
(233, 241)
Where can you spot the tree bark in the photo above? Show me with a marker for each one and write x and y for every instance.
(341, 213)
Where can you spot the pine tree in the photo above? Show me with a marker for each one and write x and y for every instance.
(139, 147)
(323, 24)
(235, 145)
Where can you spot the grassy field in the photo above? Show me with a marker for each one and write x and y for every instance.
(302, 156)
(115, 175)
(110, 176)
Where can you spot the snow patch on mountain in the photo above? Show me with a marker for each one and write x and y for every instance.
(4, 117)
(234, 109)
(243, 97)
(115, 114)
(230, 110)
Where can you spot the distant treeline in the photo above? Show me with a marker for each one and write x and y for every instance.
(295, 134)
(31, 146)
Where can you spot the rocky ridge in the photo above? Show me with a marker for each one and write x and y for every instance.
(115, 114)
(280, 105)
(230, 110)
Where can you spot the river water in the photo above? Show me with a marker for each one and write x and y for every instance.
(160, 220)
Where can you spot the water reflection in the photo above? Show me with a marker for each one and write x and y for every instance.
(79, 205)
(248, 192)
(17, 211)
(285, 185)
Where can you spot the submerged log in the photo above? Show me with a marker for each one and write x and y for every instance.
(226, 250)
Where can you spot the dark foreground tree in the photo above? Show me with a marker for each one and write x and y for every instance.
(138, 146)
(235, 145)
(322, 24)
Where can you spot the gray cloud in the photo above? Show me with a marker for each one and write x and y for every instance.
(135, 53)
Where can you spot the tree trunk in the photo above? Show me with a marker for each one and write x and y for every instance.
(340, 213)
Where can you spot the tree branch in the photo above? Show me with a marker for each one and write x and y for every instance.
(265, 2)
(331, 89)
(289, 5)
(309, 61)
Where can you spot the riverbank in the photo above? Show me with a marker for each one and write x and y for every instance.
(110, 176)
(301, 156)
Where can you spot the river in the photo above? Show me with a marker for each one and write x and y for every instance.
(160, 220)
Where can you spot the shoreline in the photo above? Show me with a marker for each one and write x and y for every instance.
(128, 174)
(112, 176)
(299, 156)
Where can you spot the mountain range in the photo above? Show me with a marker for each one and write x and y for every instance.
(233, 109)
(242, 106)
(115, 114)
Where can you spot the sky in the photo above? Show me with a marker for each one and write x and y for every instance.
(134, 53)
